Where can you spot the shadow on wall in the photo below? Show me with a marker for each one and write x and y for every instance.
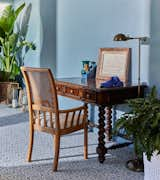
(48, 20)
(33, 34)
(155, 45)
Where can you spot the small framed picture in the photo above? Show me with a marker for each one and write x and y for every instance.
(113, 62)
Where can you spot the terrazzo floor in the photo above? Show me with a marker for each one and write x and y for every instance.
(13, 148)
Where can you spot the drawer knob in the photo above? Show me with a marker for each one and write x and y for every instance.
(88, 96)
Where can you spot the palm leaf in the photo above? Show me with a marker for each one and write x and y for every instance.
(7, 19)
(25, 21)
(2, 33)
(19, 9)
(13, 39)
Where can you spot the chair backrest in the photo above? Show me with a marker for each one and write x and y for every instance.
(41, 89)
(113, 62)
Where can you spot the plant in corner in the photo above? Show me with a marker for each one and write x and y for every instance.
(142, 124)
(13, 42)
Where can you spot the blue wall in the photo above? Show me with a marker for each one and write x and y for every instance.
(155, 44)
(68, 31)
(6, 1)
(86, 25)
(34, 32)
(42, 31)
(48, 20)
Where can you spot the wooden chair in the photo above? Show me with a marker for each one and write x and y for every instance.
(45, 115)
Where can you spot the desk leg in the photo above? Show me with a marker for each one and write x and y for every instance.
(109, 122)
(101, 150)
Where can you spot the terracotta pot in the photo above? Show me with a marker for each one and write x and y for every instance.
(6, 91)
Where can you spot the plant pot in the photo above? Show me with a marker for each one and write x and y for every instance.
(4, 76)
(152, 168)
(6, 91)
(135, 165)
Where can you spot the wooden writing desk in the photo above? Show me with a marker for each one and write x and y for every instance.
(104, 98)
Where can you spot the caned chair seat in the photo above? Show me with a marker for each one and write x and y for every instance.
(44, 112)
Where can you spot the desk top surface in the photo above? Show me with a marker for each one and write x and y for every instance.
(93, 84)
(90, 91)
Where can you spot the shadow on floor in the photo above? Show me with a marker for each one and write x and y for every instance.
(13, 119)
(64, 157)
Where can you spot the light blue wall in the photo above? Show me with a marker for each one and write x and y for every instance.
(42, 31)
(80, 27)
(48, 20)
(7, 1)
(83, 26)
(34, 32)
(155, 44)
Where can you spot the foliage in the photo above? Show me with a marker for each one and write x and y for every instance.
(142, 124)
(12, 43)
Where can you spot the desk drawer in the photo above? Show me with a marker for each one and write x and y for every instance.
(89, 96)
(76, 92)
(69, 91)
(72, 91)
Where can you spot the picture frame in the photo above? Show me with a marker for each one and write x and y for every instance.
(113, 62)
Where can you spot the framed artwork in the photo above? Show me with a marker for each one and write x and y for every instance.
(113, 62)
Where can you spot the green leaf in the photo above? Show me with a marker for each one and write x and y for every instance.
(13, 45)
(142, 123)
(2, 60)
(153, 93)
(15, 71)
(7, 19)
(13, 39)
(23, 27)
(2, 33)
(19, 9)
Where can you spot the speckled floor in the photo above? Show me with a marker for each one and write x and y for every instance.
(13, 147)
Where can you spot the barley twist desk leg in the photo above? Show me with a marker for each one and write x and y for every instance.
(101, 150)
(109, 123)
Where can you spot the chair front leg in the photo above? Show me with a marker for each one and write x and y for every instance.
(30, 146)
(86, 132)
(56, 153)
(86, 142)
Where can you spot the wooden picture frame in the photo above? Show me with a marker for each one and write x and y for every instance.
(113, 62)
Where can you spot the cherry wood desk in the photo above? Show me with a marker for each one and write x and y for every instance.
(89, 91)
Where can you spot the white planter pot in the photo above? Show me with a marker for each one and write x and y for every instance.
(152, 168)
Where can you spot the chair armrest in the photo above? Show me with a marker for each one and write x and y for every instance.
(42, 108)
(73, 109)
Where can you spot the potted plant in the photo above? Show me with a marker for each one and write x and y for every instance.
(13, 48)
(13, 41)
(142, 124)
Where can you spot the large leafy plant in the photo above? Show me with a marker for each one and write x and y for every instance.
(142, 124)
(12, 42)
